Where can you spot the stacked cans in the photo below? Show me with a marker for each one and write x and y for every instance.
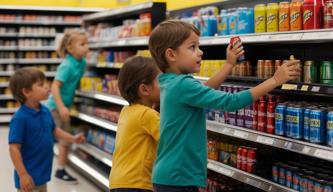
(246, 159)
(302, 177)
(313, 123)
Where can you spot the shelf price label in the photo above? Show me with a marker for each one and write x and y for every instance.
(323, 154)
(265, 140)
(253, 182)
(289, 87)
(225, 171)
(226, 131)
(304, 88)
(306, 150)
(241, 134)
(315, 89)
(288, 145)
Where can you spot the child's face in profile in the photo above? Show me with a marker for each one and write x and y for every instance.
(188, 55)
(39, 91)
(79, 47)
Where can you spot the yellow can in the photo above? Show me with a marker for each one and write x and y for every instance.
(260, 18)
(272, 17)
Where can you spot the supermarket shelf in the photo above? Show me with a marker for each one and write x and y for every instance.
(9, 73)
(96, 121)
(8, 48)
(46, 23)
(118, 12)
(7, 61)
(247, 178)
(37, 35)
(305, 148)
(42, 48)
(50, 8)
(4, 85)
(102, 156)
(6, 97)
(103, 97)
(126, 42)
(106, 65)
(5, 118)
(39, 61)
(87, 168)
(8, 35)
(7, 110)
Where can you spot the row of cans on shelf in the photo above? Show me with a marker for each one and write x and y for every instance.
(301, 178)
(311, 122)
(246, 159)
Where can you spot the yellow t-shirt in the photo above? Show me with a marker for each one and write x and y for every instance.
(135, 152)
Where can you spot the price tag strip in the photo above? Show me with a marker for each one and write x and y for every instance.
(241, 134)
(324, 154)
(305, 88)
(265, 140)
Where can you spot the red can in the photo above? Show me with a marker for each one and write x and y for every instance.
(255, 115)
(312, 14)
(262, 107)
(244, 158)
(239, 157)
(328, 14)
(271, 115)
(236, 42)
(251, 160)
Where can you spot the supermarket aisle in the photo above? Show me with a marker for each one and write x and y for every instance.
(6, 173)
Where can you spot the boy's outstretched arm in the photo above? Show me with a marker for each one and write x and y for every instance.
(232, 55)
(61, 134)
(26, 181)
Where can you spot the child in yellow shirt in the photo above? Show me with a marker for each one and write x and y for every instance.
(138, 127)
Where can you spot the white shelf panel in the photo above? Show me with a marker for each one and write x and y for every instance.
(8, 110)
(5, 118)
(39, 61)
(103, 97)
(97, 121)
(43, 48)
(102, 156)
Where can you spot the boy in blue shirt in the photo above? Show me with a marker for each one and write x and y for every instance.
(32, 131)
(181, 163)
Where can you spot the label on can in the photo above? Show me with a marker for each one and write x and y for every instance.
(329, 128)
(260, 18)
(306, 125)
(280, 119)
(272, 17)
(317, 126)
(248, 117)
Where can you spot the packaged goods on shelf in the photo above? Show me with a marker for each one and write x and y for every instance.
(103, 140)
(40, 18)
(12, 104)
(129, 28)
(37, 30)
(7, 55)
(108, 58)
(110, 114)
(109, 84)
(35, 42)
(7, 42)
(209, 68)
(4, 30)
(38, 55)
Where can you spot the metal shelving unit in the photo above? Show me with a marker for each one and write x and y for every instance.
(32, 35)
(126, 42)
(8, 48)
(7, 61)
(42, 48)
(247, 178)
(305, 148)
(96, 121)
(43, 23)
(103, 97)
(39, 61)
(102, 156)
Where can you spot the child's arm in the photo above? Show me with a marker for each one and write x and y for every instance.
(26, 181)
(61, 134)
(288, 71)
(232, 55)
(63, 110)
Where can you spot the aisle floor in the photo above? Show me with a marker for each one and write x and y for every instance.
(6, 173)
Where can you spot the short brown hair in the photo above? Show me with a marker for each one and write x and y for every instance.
(67, 39)
(169, 34)
(24, 78)
(135, 71)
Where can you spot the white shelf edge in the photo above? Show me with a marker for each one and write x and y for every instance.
(133, 41)
(103, 156)
(49, 23)
(305, 148)
(39, 61)
(5, 118)
(247, 178)
(6, 97)
(4, 85)
(103, 97)
(114, 12)
(32, 48)
(83, 166)
(36, 35)
(97, 121)
(7, 61)
(8, 110)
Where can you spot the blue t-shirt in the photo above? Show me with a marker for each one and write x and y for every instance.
(34, 131)
(69, 72)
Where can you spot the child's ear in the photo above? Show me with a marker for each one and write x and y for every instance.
(25, 91)
(143, 90)
(170, 54)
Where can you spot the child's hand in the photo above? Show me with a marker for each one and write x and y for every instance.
(27, 183)
(234, 53)
(290, 70)
(79, 138)
(64, 114)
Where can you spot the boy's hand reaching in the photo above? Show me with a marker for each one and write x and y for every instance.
(64, 114)
(79, 138)
(234, 53)
(290, 70)
(27, 183)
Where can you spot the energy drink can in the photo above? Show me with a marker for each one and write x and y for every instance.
(236, 42)
(260, 18)
(289, 177)
(329, 128)
(296, 181)
(282, 175)
(272, 17)
(270, 115)
(317, 126)
(280, 112)
(310, 72)
(248, 117)
(306, 124)
(233, 23)
(275, 172)
(223, 28)
(262, 114)
(297, 123)
(289, 120)
(284, 16)
(255, 115)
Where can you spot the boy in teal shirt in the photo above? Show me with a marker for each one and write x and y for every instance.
(181, 163)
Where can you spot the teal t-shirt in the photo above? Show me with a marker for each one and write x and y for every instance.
(69, 72)
(182, 150)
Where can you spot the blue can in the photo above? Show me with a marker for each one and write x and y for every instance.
(282, 175)
(319, 185)
(223, 28)
(245, 20)
(296, 181)
(275, 173)
(328, 187)
(306, 124)
(212, 25)
(280, 115)
(233, 23)
(317, 126)
(204, 29)
(303, 183)
(289, 177)
(329, 128)
(290, 116)
(297, 123)
(196, 22)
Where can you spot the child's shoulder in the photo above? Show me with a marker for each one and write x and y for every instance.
(140, 111)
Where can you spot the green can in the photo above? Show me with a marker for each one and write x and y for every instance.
(326, 72)
(310, 72)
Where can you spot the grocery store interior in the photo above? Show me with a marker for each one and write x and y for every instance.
(283, 142)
